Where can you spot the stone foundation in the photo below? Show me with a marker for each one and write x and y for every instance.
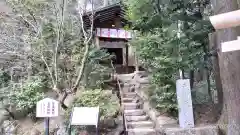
(205, 130)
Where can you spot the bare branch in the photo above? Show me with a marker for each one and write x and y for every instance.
(92, 19)
(80, 74)
(59, 38)
(49, 71)
(29, 23)
(80, 12)
(87, 46)
(32, 15)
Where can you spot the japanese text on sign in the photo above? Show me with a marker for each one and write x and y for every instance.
(47, 108)
(113, 33)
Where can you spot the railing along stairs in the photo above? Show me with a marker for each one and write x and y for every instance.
(121, 95)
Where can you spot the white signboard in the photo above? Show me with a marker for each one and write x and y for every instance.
(114, 33)
(47, 108)
(231, 46)
(85, 116)
(186, 119)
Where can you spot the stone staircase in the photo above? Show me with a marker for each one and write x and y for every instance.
(137, 121)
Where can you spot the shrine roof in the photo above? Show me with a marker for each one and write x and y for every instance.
(106, 13)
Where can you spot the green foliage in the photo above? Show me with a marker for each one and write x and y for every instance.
(26, 96)
(107, 102)
(155, 56)
(4, 79)
(4, 89)
(159, 48)
(95, 73)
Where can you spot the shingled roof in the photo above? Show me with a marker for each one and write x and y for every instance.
(105, 13)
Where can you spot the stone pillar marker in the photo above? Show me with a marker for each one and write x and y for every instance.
(184, 98)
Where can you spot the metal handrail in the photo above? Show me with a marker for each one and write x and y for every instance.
(122, 109)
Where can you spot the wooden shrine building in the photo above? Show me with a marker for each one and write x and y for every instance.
(110, 34)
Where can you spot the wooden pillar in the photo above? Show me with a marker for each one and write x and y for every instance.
(126, 57)
(136, 62)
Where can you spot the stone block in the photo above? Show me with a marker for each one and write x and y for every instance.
(205, 130)
(164, 122)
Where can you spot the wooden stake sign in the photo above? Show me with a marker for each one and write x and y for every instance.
(47, 108)
(226, 20)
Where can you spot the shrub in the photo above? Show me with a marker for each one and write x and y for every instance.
(26, 96)
(4, 79)
(107, 102)
(4, 90)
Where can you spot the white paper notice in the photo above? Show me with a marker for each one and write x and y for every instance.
(121, 33)
(104, 32)
(184, 98)
(113, 33)
(85, 116)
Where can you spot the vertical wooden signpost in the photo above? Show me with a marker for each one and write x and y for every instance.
(46, 109)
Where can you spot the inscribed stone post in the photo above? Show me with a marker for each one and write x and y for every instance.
(184, 98)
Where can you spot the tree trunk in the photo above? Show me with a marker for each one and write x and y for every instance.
(207, 73)
(82, 68)
(230, 68)
(191, 76)
(209, 85)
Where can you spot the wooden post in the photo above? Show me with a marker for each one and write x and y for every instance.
(46, 120)
(226, 20)
(126, 58)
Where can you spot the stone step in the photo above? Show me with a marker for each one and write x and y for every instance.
(141, 131)
(137, 118)
(140, 124)
(129, 95)
(128, 99)
(130, 106)
(126, 85)
(135, 112)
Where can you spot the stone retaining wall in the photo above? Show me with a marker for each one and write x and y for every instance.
(166, 125)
